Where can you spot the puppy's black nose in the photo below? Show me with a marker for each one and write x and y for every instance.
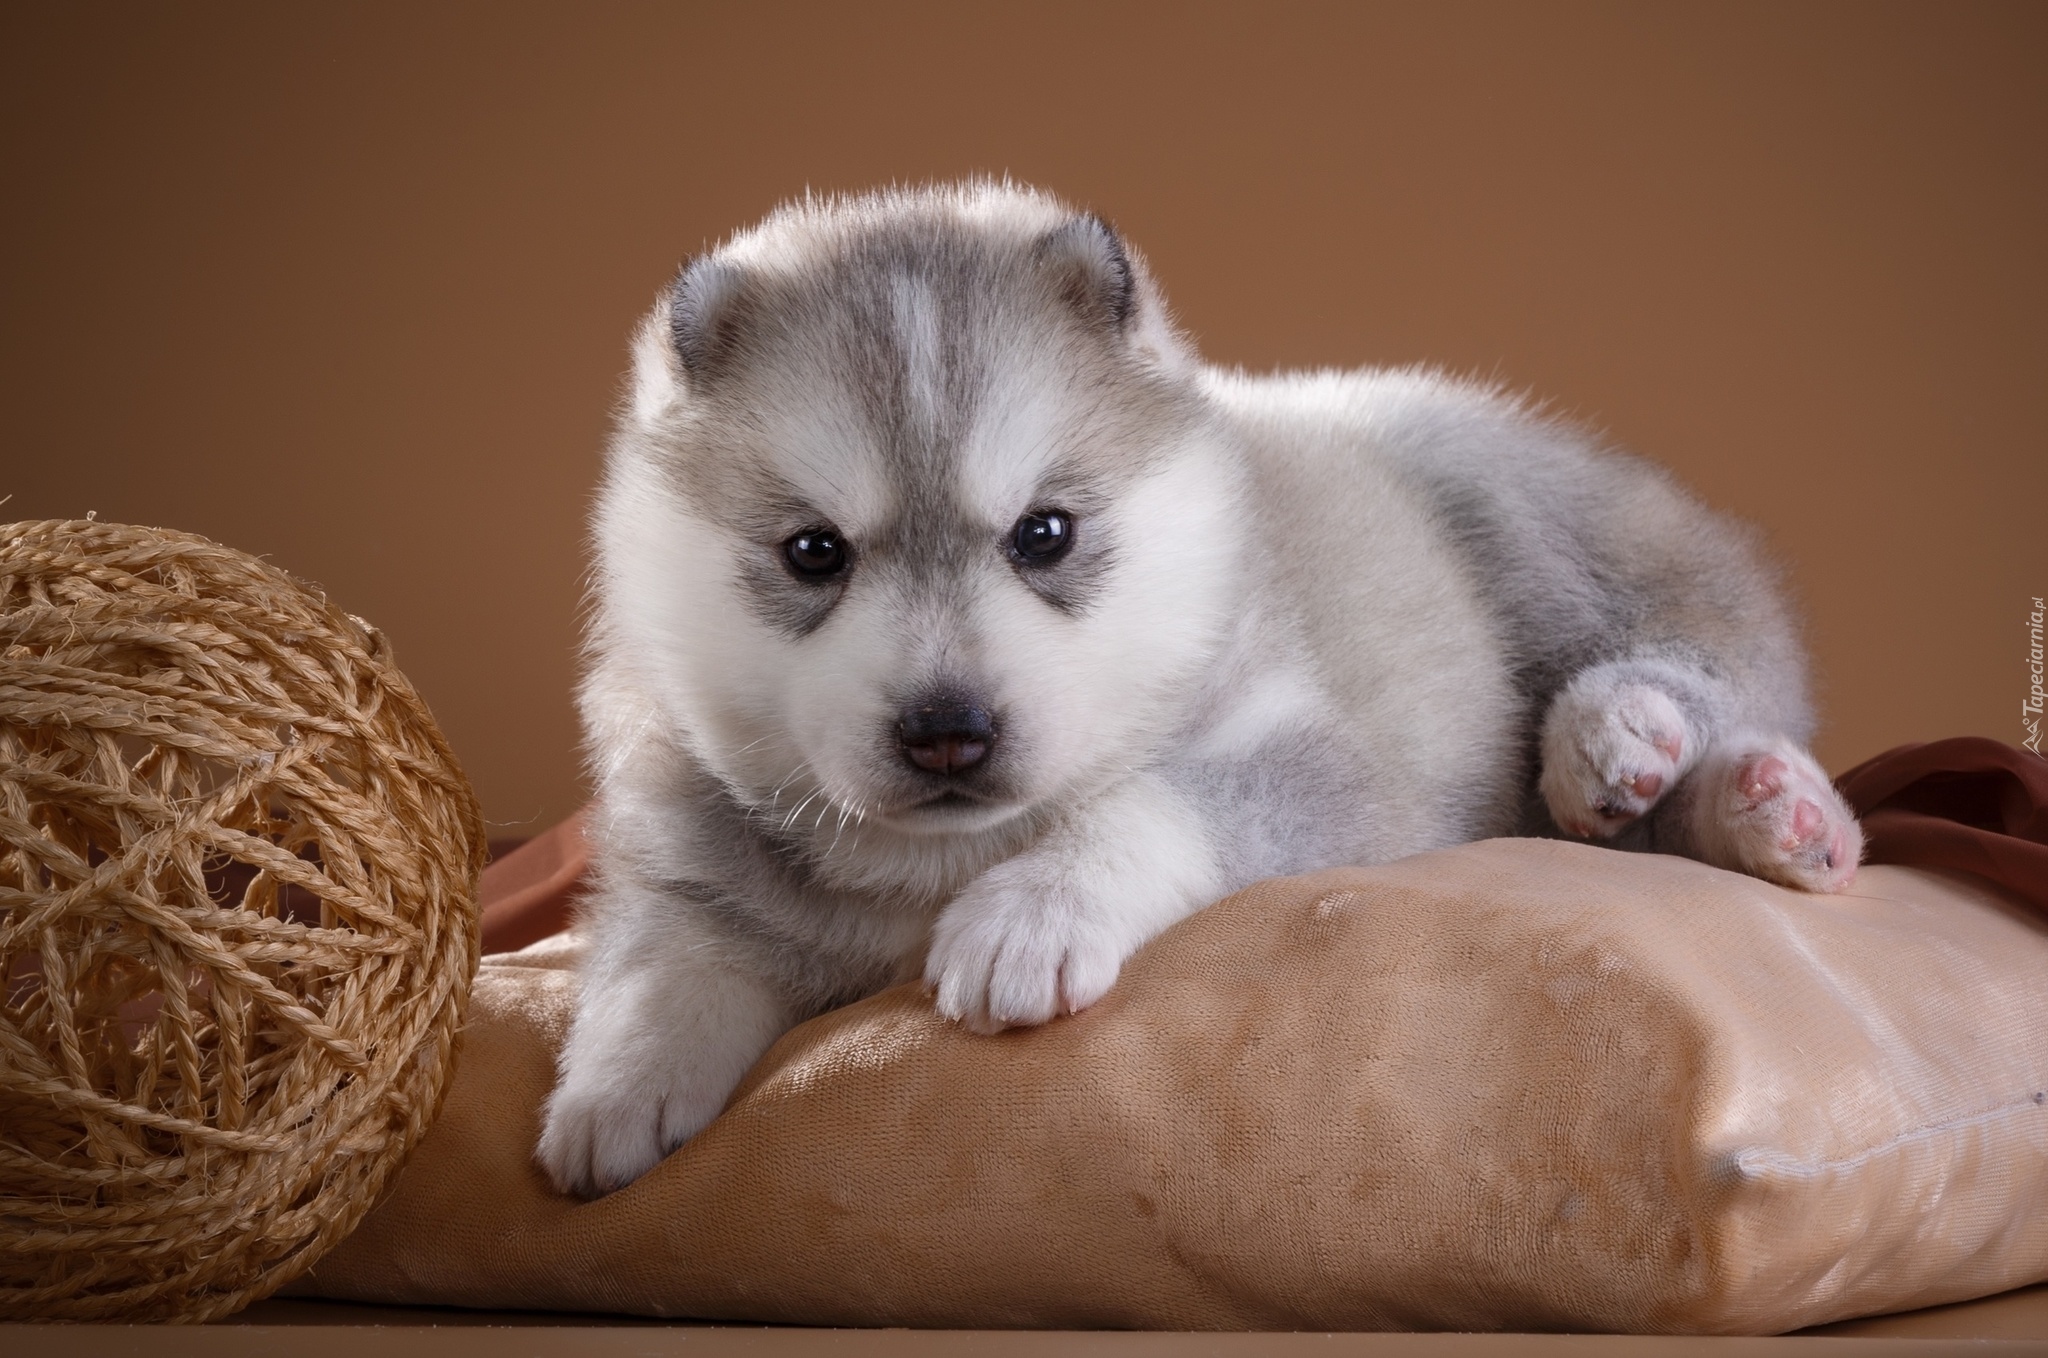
(946, 736)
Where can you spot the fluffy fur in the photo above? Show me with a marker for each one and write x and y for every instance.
(1303, 620)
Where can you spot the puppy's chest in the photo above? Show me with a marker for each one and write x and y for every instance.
(872, 956)
(858, 942)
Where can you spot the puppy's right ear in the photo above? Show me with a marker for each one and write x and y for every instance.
(703, 311)
(686, 338)
(1093, 270)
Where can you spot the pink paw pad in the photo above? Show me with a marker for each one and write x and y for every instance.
(1761, 778)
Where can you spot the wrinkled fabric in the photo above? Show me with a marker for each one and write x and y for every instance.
(1518, 1084)
(1968, 803)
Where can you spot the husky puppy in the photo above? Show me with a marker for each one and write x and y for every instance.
(954, 621)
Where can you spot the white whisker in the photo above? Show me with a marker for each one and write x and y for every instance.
(815, 793)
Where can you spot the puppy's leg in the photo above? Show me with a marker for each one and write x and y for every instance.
(1629, 737)
(1617, 739)
(1761, 805)
(1046, 932)
(666, 1026)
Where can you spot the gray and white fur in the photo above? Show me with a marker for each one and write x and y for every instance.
(954, 621)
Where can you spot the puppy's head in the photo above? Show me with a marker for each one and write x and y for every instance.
(914, 515)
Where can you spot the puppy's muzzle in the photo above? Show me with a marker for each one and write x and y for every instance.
(947, 736)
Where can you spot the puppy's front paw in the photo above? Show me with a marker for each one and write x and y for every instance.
(608, 1123)
(1017, 948)
(1769, 810)
(1610, 753)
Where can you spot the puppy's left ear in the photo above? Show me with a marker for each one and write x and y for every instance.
(1092, 270)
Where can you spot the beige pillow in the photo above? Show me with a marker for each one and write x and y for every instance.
(1514, 1085)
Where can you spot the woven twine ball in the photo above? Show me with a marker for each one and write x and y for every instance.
(237, 923)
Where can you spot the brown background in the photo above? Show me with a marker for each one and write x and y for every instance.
(351, 289)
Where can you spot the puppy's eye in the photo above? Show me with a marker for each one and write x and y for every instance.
(816, 553)
(1042, 538)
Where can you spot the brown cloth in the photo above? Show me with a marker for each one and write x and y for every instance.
(1968, 803)
(531, 892)
(1519, 1084)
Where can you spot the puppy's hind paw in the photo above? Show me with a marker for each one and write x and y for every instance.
(1768, 809)
(1610, 753)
